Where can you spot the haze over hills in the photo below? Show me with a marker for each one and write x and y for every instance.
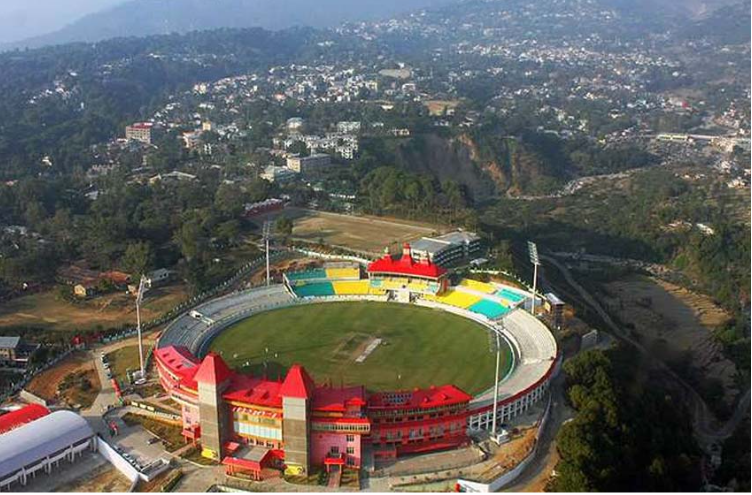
(149, 17)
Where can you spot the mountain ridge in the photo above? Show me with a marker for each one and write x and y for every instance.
(153, 17)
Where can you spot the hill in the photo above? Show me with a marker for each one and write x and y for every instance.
(149, 17)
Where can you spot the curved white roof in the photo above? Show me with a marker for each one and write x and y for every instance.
(40, 438)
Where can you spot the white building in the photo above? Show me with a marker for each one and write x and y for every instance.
(42, 446)
(447, 248)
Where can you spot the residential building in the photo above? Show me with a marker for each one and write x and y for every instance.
(309, 164)
(140, 131)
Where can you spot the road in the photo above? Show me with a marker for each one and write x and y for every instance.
(539, 470)
(703, 420)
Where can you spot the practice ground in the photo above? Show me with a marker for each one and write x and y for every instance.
(420, 347)
(361, 233)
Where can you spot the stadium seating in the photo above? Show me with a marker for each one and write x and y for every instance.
(478, 286)
(312, 274)
(342, 273)
(490, 309)
(510, 295)
(455, 298)
(398, 283)
(355, 288)
(314, 289)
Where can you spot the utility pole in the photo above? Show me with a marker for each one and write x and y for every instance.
(267, 234)
(139, 299)
(532, 249)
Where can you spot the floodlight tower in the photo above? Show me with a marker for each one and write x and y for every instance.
(496, 385)
(267, 234)
(532, 249)
(142, 288)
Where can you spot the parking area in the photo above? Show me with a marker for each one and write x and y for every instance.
(137, 446)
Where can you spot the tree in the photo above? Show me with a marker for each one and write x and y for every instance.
(138, 258)
(283, 226)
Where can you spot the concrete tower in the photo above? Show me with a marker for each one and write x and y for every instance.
(297, 392)
(212, 379)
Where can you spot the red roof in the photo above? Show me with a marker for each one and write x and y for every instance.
(298, 384)
(213, 369)
(333, 399)
(406, 265)
(253, 391)
(176, 358)
(20, 417)
(445, 395)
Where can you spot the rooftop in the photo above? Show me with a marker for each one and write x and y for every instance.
(9, 342)
(444, 395)
(19, 417)
(298, 384)
(41, 438)
(213, 370)
(405, 265)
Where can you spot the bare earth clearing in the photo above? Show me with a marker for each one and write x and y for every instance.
(46, 384)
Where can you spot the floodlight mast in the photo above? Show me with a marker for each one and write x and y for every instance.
(267, 234)
(139, 299)
(496, 386)
(532, 249)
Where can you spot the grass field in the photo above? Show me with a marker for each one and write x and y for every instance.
(420, 347)
(50, 311)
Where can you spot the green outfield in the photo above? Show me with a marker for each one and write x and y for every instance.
(419, 347)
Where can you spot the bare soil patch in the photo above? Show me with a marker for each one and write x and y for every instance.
(103, 479)
(47, 383)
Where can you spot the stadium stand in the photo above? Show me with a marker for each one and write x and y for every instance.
(189, 332)
(490, 309)
(312, 274)
(314, 289)
(343, 273)
(355, 288)
(510, 295)
(456, 298)
(475, 285)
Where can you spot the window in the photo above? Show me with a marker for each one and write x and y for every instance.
(350, 438)
(334, 449)
(350, 450)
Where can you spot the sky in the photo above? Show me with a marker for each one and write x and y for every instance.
(21, 19)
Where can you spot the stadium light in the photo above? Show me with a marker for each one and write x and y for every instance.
(267, 234)
(532, 250)
(496, 386)
(139, 299)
